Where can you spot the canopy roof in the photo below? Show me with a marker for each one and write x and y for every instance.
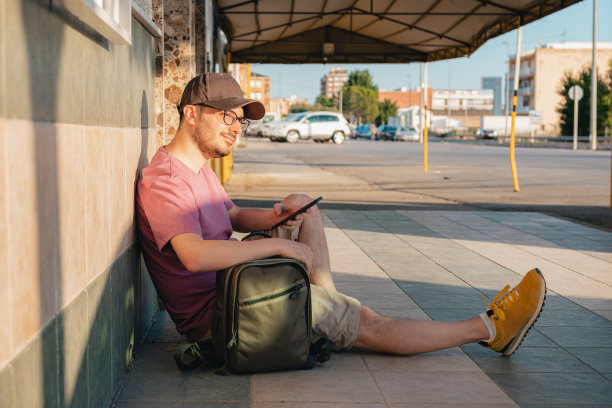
(370, 31)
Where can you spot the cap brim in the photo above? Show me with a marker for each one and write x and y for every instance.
(253, 109)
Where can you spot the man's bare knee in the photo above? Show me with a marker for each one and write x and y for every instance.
(369, 328)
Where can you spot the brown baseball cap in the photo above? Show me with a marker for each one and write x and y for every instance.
(220, 91)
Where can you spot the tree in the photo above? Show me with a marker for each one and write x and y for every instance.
(386, 108)
(362, 78)
(325, 102)
(300, 107)
(360, 103)
(566, 106)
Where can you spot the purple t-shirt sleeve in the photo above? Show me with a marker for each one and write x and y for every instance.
(174, 211)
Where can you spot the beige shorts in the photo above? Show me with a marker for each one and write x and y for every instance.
(334, 316)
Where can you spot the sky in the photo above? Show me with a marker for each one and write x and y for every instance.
(574, 23)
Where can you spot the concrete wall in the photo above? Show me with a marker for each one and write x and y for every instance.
(77, 124)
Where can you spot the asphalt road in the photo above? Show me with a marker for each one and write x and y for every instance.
(390, 175)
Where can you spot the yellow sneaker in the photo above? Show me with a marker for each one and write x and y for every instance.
(514, 312)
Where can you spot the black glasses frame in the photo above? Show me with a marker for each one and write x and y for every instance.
(230, 117)
(233, 117)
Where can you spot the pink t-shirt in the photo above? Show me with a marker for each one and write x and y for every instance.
(172, 200)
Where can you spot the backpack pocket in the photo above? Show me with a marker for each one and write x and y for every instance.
(265, 340)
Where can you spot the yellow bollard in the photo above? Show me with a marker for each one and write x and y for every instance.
(512, 142)
(425, 142)
(517, 64)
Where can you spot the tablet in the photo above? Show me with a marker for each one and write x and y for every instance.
(301, 210)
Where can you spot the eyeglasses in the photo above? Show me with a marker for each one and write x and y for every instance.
(230, 117)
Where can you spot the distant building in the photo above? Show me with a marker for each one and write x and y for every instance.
(464, 105)
(260, 89)
(259, 86)
(540, 75)
(494, 83)
(405, 98)
(333, 81)
(282, 106)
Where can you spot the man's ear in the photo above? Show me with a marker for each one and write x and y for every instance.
(190, 114)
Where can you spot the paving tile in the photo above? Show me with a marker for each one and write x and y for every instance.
(169, 385)
(578, 317)
(155, 356)
(433, 387)
(317, 385)
(528, 360)
(448, 360)
(450, 405)
(181, 404)
(598, 358)
(579, 336)
(555, 389)
(556, 302)
(284, 404)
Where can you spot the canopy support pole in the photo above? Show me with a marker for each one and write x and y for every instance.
(517, 66)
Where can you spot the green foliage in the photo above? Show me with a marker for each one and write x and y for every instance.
(301, 107)
(325, 102)
(359, 103)
(362, 78)
(386, 108)
(566, 106)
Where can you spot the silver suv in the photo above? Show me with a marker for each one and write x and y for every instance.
(318, 126)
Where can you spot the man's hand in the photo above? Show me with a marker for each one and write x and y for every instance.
(289, 205)
(297, 250)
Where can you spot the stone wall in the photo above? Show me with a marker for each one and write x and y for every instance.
(175, 61)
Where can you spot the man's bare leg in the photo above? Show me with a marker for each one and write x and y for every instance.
(313, 235)
(404, 336)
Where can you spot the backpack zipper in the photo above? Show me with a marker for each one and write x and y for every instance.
(292, 292)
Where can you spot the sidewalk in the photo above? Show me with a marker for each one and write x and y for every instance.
(426, 264)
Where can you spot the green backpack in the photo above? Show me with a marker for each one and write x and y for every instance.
(261, 320)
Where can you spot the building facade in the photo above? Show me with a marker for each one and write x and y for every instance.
(282, 106)
(405, 98)
(540, 76)
(255, 86)
(494, 83)
(333, 81)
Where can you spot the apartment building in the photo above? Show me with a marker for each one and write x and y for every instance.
(540, 75)
(405, 98)
(333, 81)
(254, 85)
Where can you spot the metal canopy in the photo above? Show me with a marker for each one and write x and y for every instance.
(370, 31)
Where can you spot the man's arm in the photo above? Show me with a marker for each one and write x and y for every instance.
(199, 255)
(251, 219)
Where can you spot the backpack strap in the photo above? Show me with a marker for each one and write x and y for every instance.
(319, 352)
(256, 234)
(190, 355)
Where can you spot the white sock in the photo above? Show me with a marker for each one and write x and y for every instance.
(489, 323)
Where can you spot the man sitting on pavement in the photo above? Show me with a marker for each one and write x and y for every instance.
(185, 222)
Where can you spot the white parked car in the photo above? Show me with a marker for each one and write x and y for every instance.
(318, 126)
(254, 128)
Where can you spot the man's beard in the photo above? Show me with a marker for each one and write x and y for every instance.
(207, 149)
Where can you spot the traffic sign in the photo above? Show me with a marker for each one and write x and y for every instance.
(576, 93)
